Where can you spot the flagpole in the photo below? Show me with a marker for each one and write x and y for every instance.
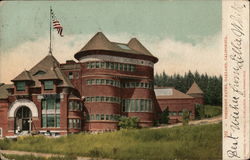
(50, 50)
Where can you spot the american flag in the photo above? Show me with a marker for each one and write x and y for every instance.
(56, 24)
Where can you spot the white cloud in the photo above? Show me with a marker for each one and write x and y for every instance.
(174, 56)
(178, 57)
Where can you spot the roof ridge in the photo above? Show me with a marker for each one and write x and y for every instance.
(194, 89)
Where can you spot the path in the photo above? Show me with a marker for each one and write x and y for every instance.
(213, 120)
(45, 155)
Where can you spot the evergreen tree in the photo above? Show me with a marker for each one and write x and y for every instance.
(210, 85)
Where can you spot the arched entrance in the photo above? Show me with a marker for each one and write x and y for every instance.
(23, 119)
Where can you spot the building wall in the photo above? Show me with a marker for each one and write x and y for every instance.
(4, 105)
(177, 105)
(79, 74)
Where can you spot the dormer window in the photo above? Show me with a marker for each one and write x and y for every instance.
(39, 73)
(20, 86)
(48, 85)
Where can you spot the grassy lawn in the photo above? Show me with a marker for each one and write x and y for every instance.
(185, 142)
(31, 157)
(211, 111)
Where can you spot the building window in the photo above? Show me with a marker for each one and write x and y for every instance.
(137, 105)
(102, 117)
(132, 68)
(70, 123)
(48, 85)
(51, 103)
(75, 105)
(51, 120)
(51, 112)
(142, 105)
(102, 65)
(97, 117)
(103, 99)
(97, 64)
(111, 65)
(74, 123)
(92, 117)
(71, 75)
(121, 67)
(88, 65)
(20, 86)
(107, 117)
(92, 64)
(98, 81)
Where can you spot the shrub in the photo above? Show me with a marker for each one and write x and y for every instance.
(185, 117)
(128, 122)
(165, 116)
(199, 111)
(4, 144)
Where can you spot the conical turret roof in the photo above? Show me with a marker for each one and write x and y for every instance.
(194, 89)
(101, 42)
(137, 46)
(98, 42)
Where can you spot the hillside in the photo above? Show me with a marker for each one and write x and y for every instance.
(188, 142)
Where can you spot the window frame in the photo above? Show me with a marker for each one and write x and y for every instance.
(70, 75)
(48, 85)
(20, 86)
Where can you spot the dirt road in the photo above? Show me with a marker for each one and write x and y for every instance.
(213, 120)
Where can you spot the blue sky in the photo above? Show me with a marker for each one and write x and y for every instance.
(173, 31)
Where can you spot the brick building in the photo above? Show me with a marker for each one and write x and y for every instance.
(109, 80)
(176, 101)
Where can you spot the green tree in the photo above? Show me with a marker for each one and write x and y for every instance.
(185, 117)
(165, 116)
(199, 111)
(210, 85)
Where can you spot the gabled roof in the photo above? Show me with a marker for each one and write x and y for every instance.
(47, 68)
(3, 90)
(101, 42)
(24, 76)
(65, 81)
(50, 74)
(194, 89)
(170, 93)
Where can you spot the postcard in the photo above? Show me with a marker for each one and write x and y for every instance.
(124, 79)
(236, 80)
